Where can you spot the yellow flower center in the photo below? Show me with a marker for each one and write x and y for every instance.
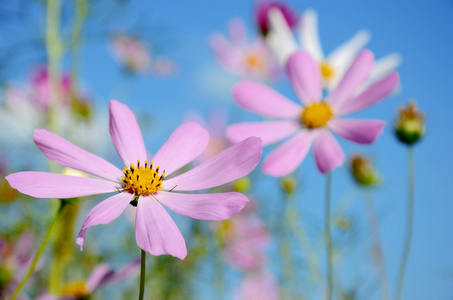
(254, 61)
(142, 180)
(316, 115)
(327, 71)
(76, 289)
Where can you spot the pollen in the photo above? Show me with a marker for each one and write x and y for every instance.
(316, 115)
(142, 179)
(327, 71)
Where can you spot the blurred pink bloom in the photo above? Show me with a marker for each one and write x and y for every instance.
(14, 261)
(144, 184)
(311, 123)
(242, 58)
(262, 9)
(41, 88)
(261, 285)
(135, 56)
(246, 242)
(101, 275)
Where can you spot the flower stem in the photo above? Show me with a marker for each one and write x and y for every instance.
(328, 238)
(377, 249)
(142, 275)
(38, 255)
(409, 222)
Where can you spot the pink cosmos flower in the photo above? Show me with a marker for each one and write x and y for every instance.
(101, 275)
(241, 57)
(312, 122)
(41, 87)
(258, 286)
(144, 182)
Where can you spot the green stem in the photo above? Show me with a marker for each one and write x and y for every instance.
(142, 275)
(409, 222)
(328, 237)
(377, 249)
(37, 256)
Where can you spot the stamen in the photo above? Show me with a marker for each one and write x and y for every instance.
(146, 181)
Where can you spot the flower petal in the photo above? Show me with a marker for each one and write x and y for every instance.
(373, 94)
(231, 164)
(309, 36)
(354, 77)
(185, 143)
(328, 153)
(289, 155)
(237, 32)
(104, 213)
(126, 135)
(69, 155)
(269, 132)
(385, 65)
(305, 77)
(358, 131)
(280, 37)
(156, 232)
(98, 276)
(342, 56)
(263, 100)
(49, 185)
(214, 207)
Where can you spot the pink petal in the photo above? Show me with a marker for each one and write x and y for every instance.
(186, 143)
(358, 131)
(104, 213)
(269, 132)
(98, 276)
(69, 155)
(49, 185)
(214, 207)
(328, 153)
(126, 135)
(156, 232)
(305, 77)
(373, 94)
(289, 155)
(237, 32)
(231, 164)
(263, 100)
(356, 75)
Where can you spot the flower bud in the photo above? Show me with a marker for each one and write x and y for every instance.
(288, 184)
(363, 171)
(262, 11)
(410, 126)
(242, 185)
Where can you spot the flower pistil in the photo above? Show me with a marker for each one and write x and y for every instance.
(142, 180)
(316, 115)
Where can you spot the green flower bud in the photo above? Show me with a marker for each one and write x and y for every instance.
(288, 184)
(410, 126)
(363, 171)
(242, 185)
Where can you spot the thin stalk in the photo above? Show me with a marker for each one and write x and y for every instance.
(409, 223)
(377, 248)
(38, 255)
(328, 237)
(142, 275)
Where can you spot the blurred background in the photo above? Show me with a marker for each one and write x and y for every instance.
(157, 57)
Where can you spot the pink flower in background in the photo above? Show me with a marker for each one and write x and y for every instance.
(14, 261)
(101, 275)
(246, 241)
(282, 43)
(41, 88)
(311, 123)
(135, 56)
(142, 182)
(262, 9)
(241, 57)
(261, 285)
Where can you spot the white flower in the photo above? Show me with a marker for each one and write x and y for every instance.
(333, 66)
